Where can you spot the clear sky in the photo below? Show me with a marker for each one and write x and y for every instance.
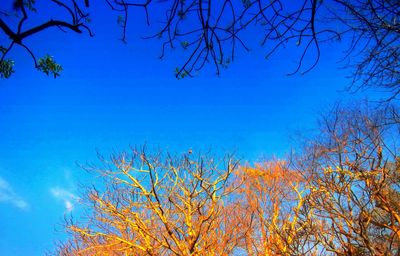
(112, 95)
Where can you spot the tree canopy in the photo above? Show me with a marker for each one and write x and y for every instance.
(338, 195)
(211, 32)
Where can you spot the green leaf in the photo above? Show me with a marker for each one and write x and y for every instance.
(6, 68)
(48, 66)
(185, 44)
(246, 3)
(30, 5)
(120, 20)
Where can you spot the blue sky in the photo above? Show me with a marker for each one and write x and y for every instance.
(111, 96)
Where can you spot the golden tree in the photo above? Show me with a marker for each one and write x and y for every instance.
(340, 195)
(354, 176)
(159, 205)
(273, 197)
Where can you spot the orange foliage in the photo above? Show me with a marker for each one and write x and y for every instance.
(273, 195)
(159, 206)
(339, 197)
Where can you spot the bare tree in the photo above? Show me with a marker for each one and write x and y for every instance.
(158, 205)
(273, 196)
(353, 169)
(212, 31)
(338, 196)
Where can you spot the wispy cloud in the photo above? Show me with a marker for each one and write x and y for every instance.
(66, 196)
(7, 195)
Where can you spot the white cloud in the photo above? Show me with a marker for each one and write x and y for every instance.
(7, 195)
(68, 205)
(66, 196)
